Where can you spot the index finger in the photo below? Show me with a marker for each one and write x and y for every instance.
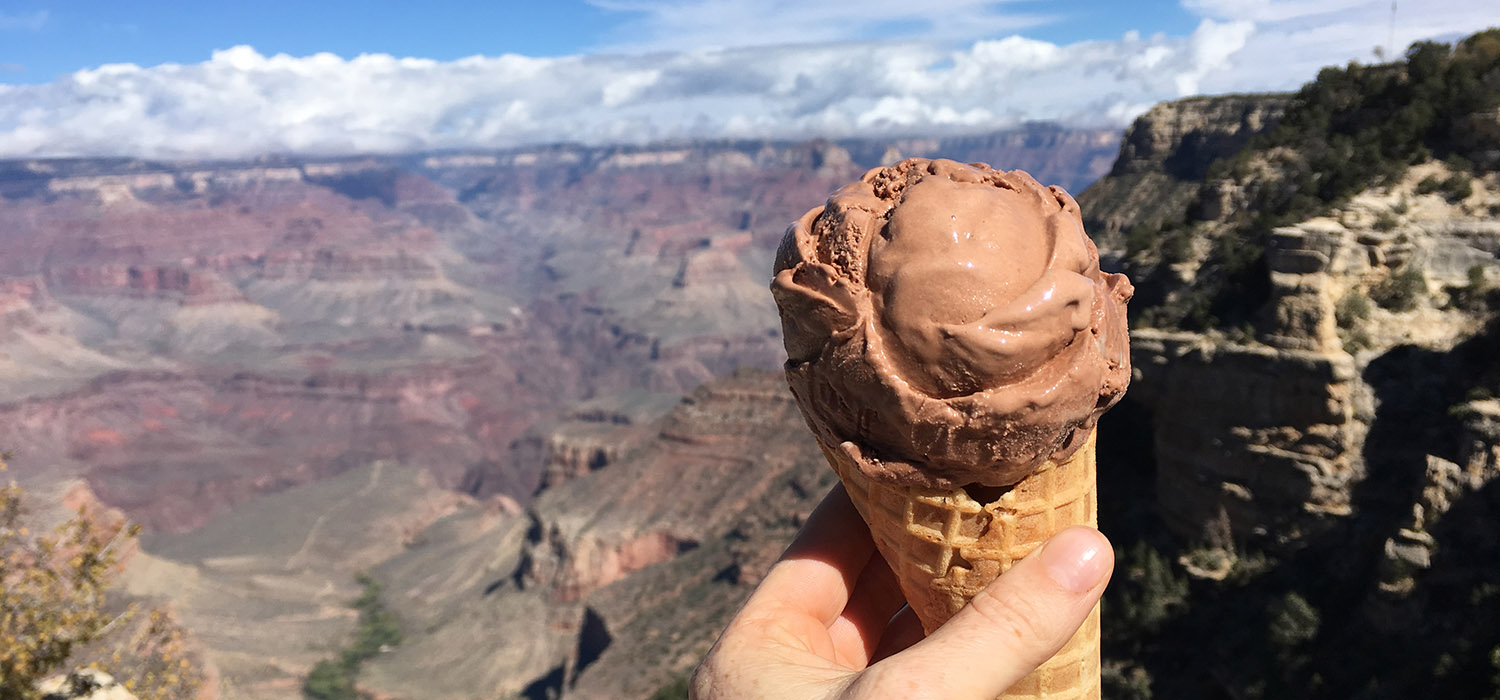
(817, 572)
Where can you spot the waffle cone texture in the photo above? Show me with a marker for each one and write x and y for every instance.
(945, 546)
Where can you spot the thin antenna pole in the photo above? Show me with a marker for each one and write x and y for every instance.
(1390, 41)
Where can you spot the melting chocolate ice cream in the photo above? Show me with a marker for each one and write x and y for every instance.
(952, 322)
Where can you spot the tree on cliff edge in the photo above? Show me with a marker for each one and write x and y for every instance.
(53, 613)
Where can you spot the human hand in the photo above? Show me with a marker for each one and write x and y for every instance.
(829, 621)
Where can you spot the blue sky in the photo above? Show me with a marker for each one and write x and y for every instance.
(62, 37)
(234, 79)
(41, 40)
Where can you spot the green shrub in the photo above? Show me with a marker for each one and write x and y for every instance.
(1238, 279)
(1402, 290)
(1352, 308)
(1151, 590)
(1458, 187)
(1177, 246)
(1293, 622)
(378, 627)
(1476, 275)
(1478, 296)
(1142, 238)
(330, 680)
(1191, 310)
(1356, 340)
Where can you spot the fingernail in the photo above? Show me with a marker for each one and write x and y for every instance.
(1072, 559)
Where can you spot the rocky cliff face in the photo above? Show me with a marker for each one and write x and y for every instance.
(1183, 138)
(1397, 232)
(696, 484)
(619, 578)
(1412, 551)
(1164, 156)
(1314, 366)
(1272, 452)
(1278, 449)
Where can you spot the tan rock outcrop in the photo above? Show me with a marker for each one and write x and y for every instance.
(1163, 158)
(617, 581)
(84, 685)
(1411, 550)
(1334, 261)
(1267, 438)
(649, 519)
(1187, 135)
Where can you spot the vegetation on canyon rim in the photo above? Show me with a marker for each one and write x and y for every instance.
(55, 612)
(1353, 128)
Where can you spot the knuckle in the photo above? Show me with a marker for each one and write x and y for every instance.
(718, 675)
(701, 685)
(715, 673)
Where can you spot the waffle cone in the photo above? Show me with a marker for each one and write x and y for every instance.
(945, 546)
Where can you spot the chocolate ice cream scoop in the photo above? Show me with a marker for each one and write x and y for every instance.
(952, 322)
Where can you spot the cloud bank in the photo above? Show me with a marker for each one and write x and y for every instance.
(242, 103)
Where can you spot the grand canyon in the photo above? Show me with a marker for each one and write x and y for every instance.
(449, 334)
(533, 394)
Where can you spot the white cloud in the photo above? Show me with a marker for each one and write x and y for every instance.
(240, 102)
(1209, 51)
(1293, 39)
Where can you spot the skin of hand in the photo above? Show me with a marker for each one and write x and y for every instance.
(829, 621)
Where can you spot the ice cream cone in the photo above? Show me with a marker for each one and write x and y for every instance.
(944, 546)
(949, 324)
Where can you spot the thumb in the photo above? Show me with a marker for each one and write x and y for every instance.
(1008, 629)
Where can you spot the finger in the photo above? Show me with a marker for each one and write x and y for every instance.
(1011, 626)
(876, 597)
(904, 630)
(817, 573)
